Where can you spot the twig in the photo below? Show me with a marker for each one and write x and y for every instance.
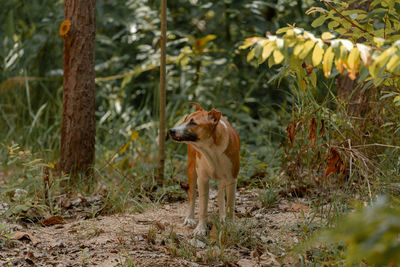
(346, 18)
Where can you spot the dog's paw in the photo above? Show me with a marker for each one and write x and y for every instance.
(189, 222)
(200, 230)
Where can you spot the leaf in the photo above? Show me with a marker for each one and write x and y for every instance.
(24, 235)
(201, 43)
(291, 131)
(319, 21)
(127, 79)
(327, 36)
(328, 60)
(322, 131)
(282, 30)
(379, 62)
(250, 55)
(313, 79)
(393, 63)
(379, 41)
(365, 54)
(317, 55)
(308, 46)
(312, 131)
(278, 56)
(53, 220)
(267, 50)
(353, 63)
(335, 163)
(134, 135)
(396, 99)
(124, 148)
(249, 42)
(339, 64)
(348, 45)
(298, 48)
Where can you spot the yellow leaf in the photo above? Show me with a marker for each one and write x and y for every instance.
(134, 135)
(250, 55)
(339, 66)
(353, 56)
(379, 41)
(290, 33)
(393, 63)
(249, 42)
(303, 85)
(51, 165)
(201, 43)
(379, 62)
(124, 148)
(267, 50)
(308, 46)
(278, 56)
(313, 79)
(317, 55)
(300, 79)
(327, 36)
(396, 99)
(354, 71)
(294, 62)
(328, 60)
(298, 48)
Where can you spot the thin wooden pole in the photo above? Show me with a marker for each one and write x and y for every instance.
(161, 136)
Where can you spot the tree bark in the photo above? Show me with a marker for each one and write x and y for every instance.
(78, 118)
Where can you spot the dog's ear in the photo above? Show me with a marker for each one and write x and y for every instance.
(214, 115)
(197, 105)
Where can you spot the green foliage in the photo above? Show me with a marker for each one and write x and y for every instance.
(369, 234)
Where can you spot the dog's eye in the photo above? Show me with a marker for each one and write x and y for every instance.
(191, 122)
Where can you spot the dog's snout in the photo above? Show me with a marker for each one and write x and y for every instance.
(172, 132)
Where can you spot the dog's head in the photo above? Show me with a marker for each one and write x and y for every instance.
(197, 126)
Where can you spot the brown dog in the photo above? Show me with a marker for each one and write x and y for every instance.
(213, 152)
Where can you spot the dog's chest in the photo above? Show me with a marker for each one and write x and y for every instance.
(215, 166)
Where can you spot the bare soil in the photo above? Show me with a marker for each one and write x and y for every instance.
(142, 239)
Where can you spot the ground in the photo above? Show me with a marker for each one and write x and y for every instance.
(156, 237)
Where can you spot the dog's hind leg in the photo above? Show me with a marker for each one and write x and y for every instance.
(192, 181)
(230, 197)
(221, 200)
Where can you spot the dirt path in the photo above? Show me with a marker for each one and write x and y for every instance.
(157, 237)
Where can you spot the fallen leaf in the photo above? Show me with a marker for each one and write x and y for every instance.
(291, 130)
(53, 220)
(335, 163)
(159, 225)
(312, 130)
(296, 207)
(24, 235)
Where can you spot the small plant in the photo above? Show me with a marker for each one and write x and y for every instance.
(368, 235)
(268, 198)
(5, 240)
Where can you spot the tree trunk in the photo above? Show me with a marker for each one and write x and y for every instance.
(78, 118)
(162, 134)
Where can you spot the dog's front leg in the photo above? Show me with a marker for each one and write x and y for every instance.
(203, 186)
(192, 179)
